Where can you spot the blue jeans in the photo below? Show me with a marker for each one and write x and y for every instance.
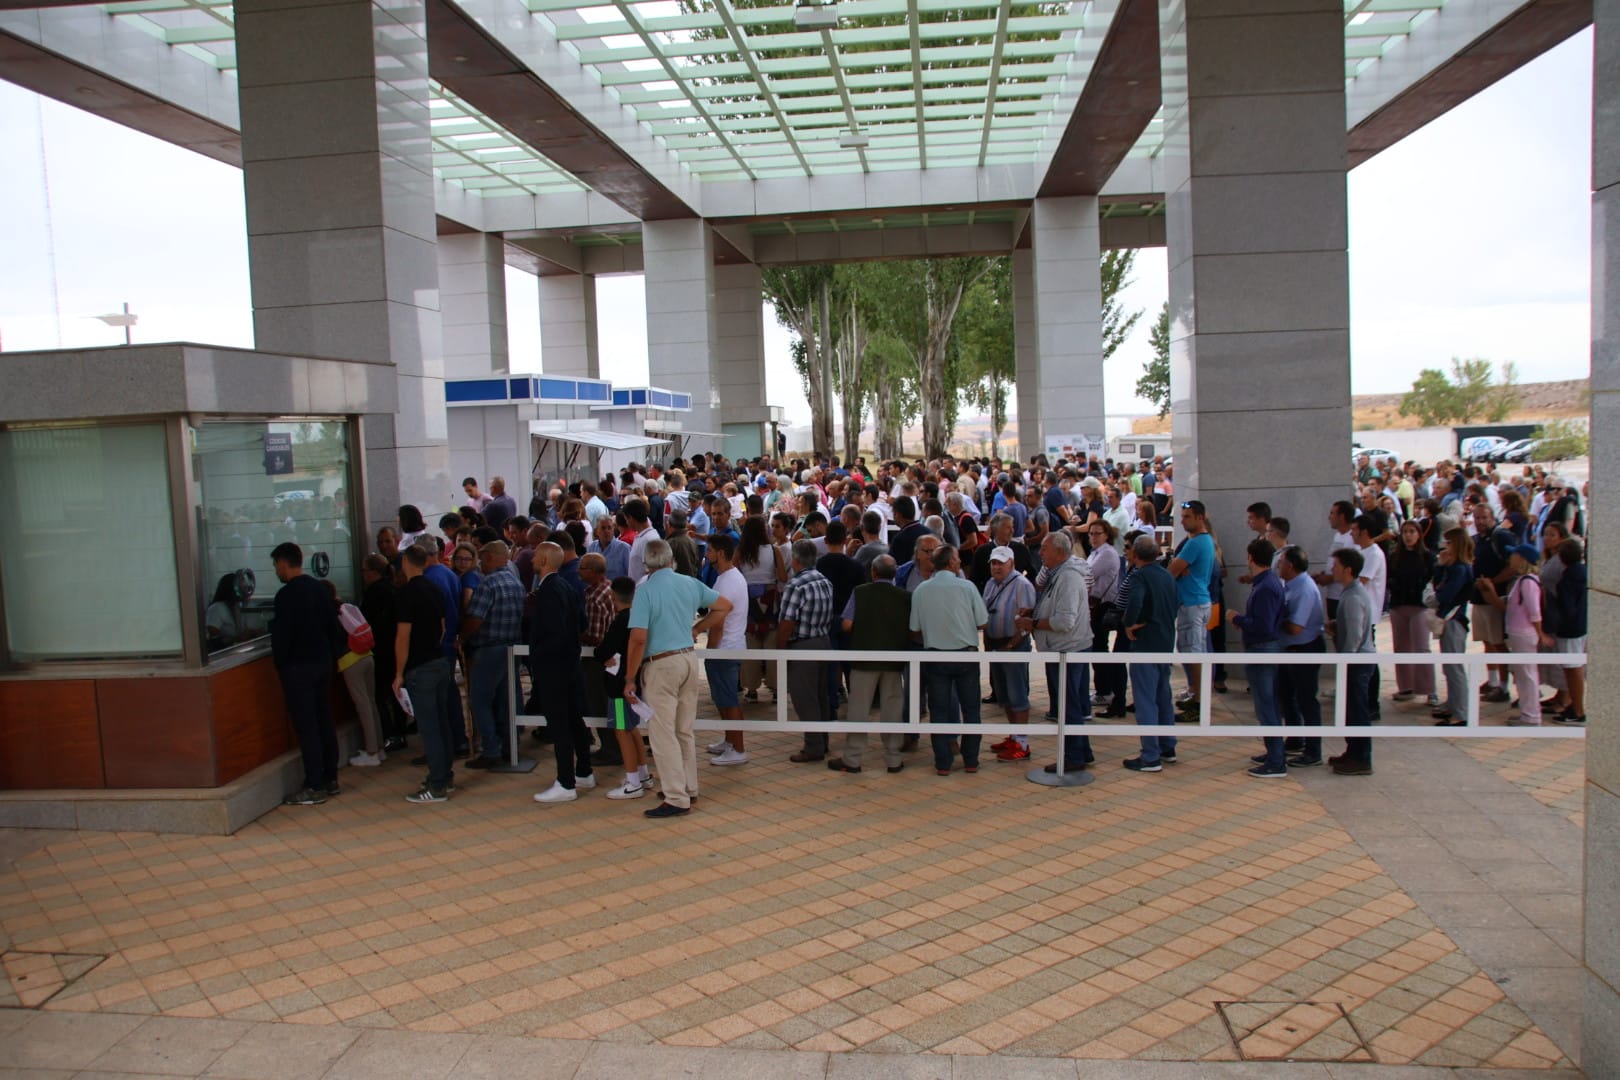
(450, 705)
(1010, 683)
(1296, 693)
(1076, 710)
(1358, 709)
(426, 684)
(1150, 684)
(1263, 688)
(953, 698)
(486, 694)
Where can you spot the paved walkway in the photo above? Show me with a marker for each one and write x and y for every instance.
(968, 922)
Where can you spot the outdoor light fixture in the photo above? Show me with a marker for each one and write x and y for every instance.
(807, 16)
(854, 139)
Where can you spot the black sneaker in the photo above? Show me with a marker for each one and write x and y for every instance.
(1136, 764)
(1300, 761)
(430, 795)
(1259, 759)
(1352, 767)
(1269, 772)
(1168, 757)
(396, 743)
(663, 810)
(306, 797)
(333, 789)
(1569, 718)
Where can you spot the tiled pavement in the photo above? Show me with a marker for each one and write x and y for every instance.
(797, 908)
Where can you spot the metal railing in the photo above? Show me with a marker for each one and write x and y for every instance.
(1206, 726)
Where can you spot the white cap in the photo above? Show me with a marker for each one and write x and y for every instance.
(1002, 554)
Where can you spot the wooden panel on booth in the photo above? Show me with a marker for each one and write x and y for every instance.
(156, 733)
(49, 737)
(249, 718)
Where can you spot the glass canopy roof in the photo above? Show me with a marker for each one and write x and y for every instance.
(754, 89)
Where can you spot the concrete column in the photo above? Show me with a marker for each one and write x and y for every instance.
(472, 300)
(1600, 1022)
(1067, 282)
(568, 325)
(739, 361)
(338, 174)
(1259, 277)
(1026, 354)
(681, 325)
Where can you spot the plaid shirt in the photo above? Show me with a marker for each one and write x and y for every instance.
(498, 601)
(599, 612)
(807, 600)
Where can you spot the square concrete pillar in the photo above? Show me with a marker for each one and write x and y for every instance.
(568, 325)
(1027, 379)
(337, 168)
(472, 304)
(681, 327)
(1259, 273)
(1067, 288)
(1600, 1026)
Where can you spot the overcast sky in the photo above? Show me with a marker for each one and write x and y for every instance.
(1469, 238)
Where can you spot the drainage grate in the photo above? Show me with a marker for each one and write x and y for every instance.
(33, 978)
(1293, 1031)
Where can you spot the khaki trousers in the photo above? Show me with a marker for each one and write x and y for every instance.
(888, 687)
(669, 686)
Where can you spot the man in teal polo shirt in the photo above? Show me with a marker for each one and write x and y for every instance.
(663, 627)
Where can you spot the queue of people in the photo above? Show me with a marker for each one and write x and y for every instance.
(613, 583)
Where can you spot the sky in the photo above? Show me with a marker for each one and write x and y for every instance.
(1471, 237)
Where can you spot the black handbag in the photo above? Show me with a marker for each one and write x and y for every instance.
(1111, 617)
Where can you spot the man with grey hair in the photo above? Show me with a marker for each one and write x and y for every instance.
(805, 617)
(877, 618)
(947, 615)
(1061, 622)
(872, 543)
(660, 653)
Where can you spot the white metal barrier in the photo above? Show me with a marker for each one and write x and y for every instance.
(1205, 728)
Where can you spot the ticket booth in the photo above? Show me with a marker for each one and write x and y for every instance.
(146, 487)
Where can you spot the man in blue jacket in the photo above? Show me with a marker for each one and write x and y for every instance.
(1262, 625)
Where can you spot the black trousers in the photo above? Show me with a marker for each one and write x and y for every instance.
(308, 690)
(564, 708)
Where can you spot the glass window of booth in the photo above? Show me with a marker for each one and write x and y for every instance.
(89, 571)
(260, 484)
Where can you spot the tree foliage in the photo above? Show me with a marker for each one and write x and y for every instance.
(1154, 385)
(1471, 392)
(1561, 440)
(1117, 323)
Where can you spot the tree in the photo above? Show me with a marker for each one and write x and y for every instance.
(985, 333)
(797, 293)
(1116, 323)
(1560, 440)
(1470, 393)
(1155, 381)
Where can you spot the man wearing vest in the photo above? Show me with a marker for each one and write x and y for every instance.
(877, 617)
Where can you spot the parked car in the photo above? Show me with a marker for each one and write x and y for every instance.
(1500, 454)
(1477, 447)
(1374, 453)
(1529, 451)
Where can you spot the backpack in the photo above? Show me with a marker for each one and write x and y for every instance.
(361, 640)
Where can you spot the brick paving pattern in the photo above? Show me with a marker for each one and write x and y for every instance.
(796, 908)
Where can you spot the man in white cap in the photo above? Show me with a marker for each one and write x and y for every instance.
(1005, 595)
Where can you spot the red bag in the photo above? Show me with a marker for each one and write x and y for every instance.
(361, 639)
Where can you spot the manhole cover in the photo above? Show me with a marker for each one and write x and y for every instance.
(1293, 1031)
(33, 978)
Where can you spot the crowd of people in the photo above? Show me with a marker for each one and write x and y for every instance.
(612, 585)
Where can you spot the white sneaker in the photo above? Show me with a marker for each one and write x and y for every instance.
(556, 793)
(364, 759)
(584, 783)
(715, 749)
(625, 791)
(730, 757)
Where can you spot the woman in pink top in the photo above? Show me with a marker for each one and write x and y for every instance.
(1521, 608)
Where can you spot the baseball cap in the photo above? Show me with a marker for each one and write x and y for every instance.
(1002, 554)
(1527, 552)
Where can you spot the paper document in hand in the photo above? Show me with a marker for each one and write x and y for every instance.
(643, 711)
(404, 697)
(612, 665)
